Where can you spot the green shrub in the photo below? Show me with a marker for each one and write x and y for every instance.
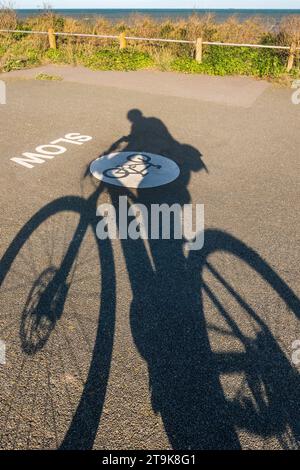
(234, 61)
(20, 27)
(19, 64)
(17, 58)
(47, 77)
(110, 59)
(57, 56)
(2, 50)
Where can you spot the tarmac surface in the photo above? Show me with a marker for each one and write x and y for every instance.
(142, 344)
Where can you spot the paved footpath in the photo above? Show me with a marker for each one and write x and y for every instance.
(141, 344)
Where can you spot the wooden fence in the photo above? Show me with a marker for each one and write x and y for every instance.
(198, 43)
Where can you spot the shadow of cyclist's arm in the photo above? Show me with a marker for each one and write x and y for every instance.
(117, 144)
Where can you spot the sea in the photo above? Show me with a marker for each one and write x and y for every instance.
(163, 14)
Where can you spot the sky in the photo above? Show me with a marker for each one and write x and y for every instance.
(159, 3)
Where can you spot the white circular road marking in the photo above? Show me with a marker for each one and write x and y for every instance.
(135, 169)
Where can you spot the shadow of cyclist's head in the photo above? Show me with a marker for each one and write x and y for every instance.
(134, 115)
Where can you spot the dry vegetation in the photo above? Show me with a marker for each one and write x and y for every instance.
(19, 50)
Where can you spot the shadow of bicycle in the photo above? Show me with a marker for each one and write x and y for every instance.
(204, 323)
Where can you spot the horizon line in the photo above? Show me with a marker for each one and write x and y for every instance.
(183, 9)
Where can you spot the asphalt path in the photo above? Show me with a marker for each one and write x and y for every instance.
(135, 344)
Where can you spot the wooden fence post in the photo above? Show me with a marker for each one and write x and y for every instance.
(123, 42)
(199, 50)
(52, 38)
(291, 56)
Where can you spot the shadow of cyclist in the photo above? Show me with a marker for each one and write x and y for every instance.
(150, 134)
(165, 315)
(169, 327)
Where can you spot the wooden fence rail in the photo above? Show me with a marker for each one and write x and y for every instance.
(198, 43)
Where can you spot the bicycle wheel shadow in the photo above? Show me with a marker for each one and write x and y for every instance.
(267, 407)
(171, 333)
(43, 311)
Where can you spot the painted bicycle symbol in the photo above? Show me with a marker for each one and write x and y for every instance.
(138, 165)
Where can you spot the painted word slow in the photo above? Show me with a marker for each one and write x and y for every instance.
(49, 151)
